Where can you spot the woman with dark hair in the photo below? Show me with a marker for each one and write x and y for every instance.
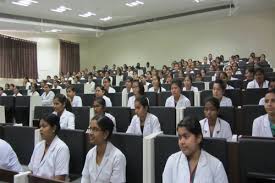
(63, 109)
(107, 85)
(138, 90)
(169, 78)
(47, 96)
(76, 101)
(50, 157)
(100, 92)
(143, 123)
(104, 162)
(218, 90)
(192, 163)
(177, 99)
(26, 83)
(156, 85)
(128, 85)
(2, 93)
(212, 125)
(187, 82)
(34, 91)
(259, 80)
(99, 106)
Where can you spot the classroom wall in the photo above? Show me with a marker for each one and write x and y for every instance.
(220, 34)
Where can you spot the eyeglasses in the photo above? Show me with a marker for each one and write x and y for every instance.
(90, 129)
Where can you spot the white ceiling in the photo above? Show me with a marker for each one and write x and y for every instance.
(116, 8)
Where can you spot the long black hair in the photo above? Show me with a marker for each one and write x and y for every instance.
(63, 100)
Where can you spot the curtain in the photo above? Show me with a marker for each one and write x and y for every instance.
(18, 58)
(69, 57)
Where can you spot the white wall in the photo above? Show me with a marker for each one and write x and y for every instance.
(238, 34)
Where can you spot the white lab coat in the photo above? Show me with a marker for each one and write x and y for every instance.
(57, 87)
(17, 95)
(34, 93)
(229, 87)
(182, 102)
(262, 101)
(111, 90)
(226, 101)
(107, 101)
(254, 84)
(209, 169)
(67, 120)
(3, 94)
(111, 117)
(92, 86)
(125, 91)
(8, 158)
(222, 129)
(131, 102)
(151, 125)
(28, 85)
(112, 168)
(77, 101)
(153, 90)
(193, 88)
(47, 100)
(261, 127)
(55, 161)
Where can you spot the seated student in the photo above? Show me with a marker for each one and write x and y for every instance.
(271, 85)
(7, 86)
(104, 162)
(156, 85)
(8, 158)
(50, 157)
(198, 77)
(168, 78)
(249, 74)
(229, 71)
(144, 81)
(100, 92)
(16, 92)
(12, 86)
(128, 85)
(138, 90)
(47, 96)
(2, 93)
(91, 82)
(259, 81)
(99, 106)
(192, 163)
(34, 89)
(107, 75)
(218, 92)
(76, 101)
(187, 82)
(56, 85)
(107, 85)
(212, 125)
(223, 76)
(264, 126)
(143, 123)
(63, 109)
(26, 83)
(177, 99)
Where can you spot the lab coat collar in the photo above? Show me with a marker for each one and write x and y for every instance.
(217, 127)
(51, 148)
(107, 152)
(266, 122)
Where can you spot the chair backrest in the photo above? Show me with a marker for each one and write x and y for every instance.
(56, 91)
(253, 96)
(8, 92)
(82, 117)
(75, 140)
(40, 111)
(204, 95)
(235, 95)
(199, 85)
(22, 101)
(189, 95)
(23, 92)
(256, 155)
(123, 117)
(87, 99)
(116, 98)
(132, 147)
(167, 118)
(36, 179)
(7, 101)
(235, 83)
(79, 88)
(166, 145)
(152, 96)
(21, 138)
(7, 175)
(162, 97)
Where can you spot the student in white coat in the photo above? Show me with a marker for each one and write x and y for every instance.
(2, 93)
(50, 157)
(16, 92)
(259, 80)
(264, 126)
(138, 90)
(187, 82)
(107, 85)
(91, 83)
(62, 108)
(143, 123)
(104, 162)
(212, 125)
(100, 92)
(56, 85)
(47, 96)
(156, 85)
(128, 85)
(271, 85)
(26, 83)
(218, 90)
(192, 164)
(177, 99)
(76, 101)
(34, 91)
(99, 106)
(8, 158)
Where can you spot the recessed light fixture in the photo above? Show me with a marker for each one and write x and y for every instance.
(105, 19)
(61, 9)
(88, 14)
(24, 2)
(135, 3)
(54, 30)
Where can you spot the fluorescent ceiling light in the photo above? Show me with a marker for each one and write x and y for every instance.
(198, 1)
(135, 3)
(106, 18)
(54, 30)
(24, 2)
(61, 9)
(88, 14)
